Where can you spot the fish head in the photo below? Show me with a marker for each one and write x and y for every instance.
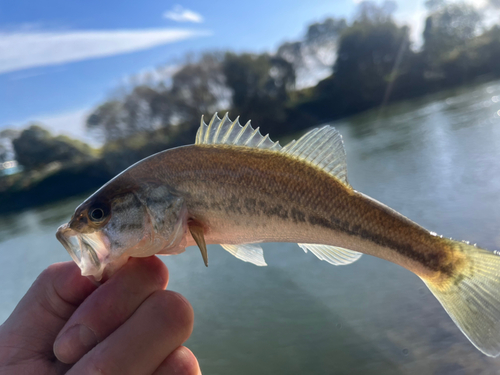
(107, 229)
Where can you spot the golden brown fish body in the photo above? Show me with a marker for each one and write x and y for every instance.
(254, 195)
(235, 188)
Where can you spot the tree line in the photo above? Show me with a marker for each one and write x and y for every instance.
(363, 63)
(369, 60)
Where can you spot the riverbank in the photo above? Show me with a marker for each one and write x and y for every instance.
(60, 180)
(56, 182)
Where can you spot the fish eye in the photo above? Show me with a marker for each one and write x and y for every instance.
(96, 214)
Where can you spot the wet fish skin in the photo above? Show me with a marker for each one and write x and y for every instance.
(252, 195)
(236, 187)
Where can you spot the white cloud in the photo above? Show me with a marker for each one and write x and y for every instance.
(21, 50)
(181, 14)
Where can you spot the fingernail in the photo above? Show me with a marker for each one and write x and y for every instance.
(74, 343)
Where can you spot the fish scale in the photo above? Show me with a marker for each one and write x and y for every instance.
(237, 188)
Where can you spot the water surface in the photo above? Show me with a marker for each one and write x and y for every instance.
(435, 160)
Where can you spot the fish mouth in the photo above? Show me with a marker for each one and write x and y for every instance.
(86, 250)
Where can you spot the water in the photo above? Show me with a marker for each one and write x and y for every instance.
(436, 160)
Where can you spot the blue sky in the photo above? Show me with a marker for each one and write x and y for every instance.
(59, 59)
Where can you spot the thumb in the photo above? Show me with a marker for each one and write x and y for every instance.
(43, 311)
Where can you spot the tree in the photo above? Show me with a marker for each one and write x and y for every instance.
(199, 88)
(109, 120)
(36, 147)
(314, 55)
(449, 28)
(371, 56)
(260, 86)
(370, 12)
(139, 115)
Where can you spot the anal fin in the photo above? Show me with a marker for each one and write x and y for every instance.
(251, 253)
(332, 254)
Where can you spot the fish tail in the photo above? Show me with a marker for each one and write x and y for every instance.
(471, 296)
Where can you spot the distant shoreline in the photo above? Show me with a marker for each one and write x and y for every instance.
(67, 182)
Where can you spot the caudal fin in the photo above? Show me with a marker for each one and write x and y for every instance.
(472, 298)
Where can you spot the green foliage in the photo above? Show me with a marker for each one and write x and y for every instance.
(370, 62)
(375, 64)
(138, 112)
(370, 56)
(200, 88)
(320, 33)
(197, 88)
(260, 86)
(371, 12)
(317, 49)
(36, 147)
(373, 56)
(448, 29)
(32, 188)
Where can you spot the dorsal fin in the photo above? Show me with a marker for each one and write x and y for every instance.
(322, 147)
(225, 131)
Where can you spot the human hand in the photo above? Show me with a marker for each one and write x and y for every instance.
(128, 325)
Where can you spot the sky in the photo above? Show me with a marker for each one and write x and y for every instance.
(60, 59)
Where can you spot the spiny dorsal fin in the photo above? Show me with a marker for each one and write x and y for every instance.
(248, 253)
(337, 256)
(225, 131)
(322, 147)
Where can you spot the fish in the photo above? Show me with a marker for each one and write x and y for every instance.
(238, 188)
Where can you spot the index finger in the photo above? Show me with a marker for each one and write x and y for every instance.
(45, 308)
(109, 307)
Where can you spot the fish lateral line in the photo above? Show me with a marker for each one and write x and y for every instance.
(145, 210)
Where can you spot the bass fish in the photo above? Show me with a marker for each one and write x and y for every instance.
(237, 188)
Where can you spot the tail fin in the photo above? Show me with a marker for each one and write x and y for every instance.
(472, 298)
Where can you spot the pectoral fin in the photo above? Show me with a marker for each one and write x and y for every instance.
(199, 237)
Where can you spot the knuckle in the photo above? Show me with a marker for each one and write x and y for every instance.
(168, 306)
(48, 297)
(49, 273)
(159, 274)
(55, 272)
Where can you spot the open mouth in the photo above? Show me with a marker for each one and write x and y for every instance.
(83, 249)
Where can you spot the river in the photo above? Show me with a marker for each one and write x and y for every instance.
(435, 160)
